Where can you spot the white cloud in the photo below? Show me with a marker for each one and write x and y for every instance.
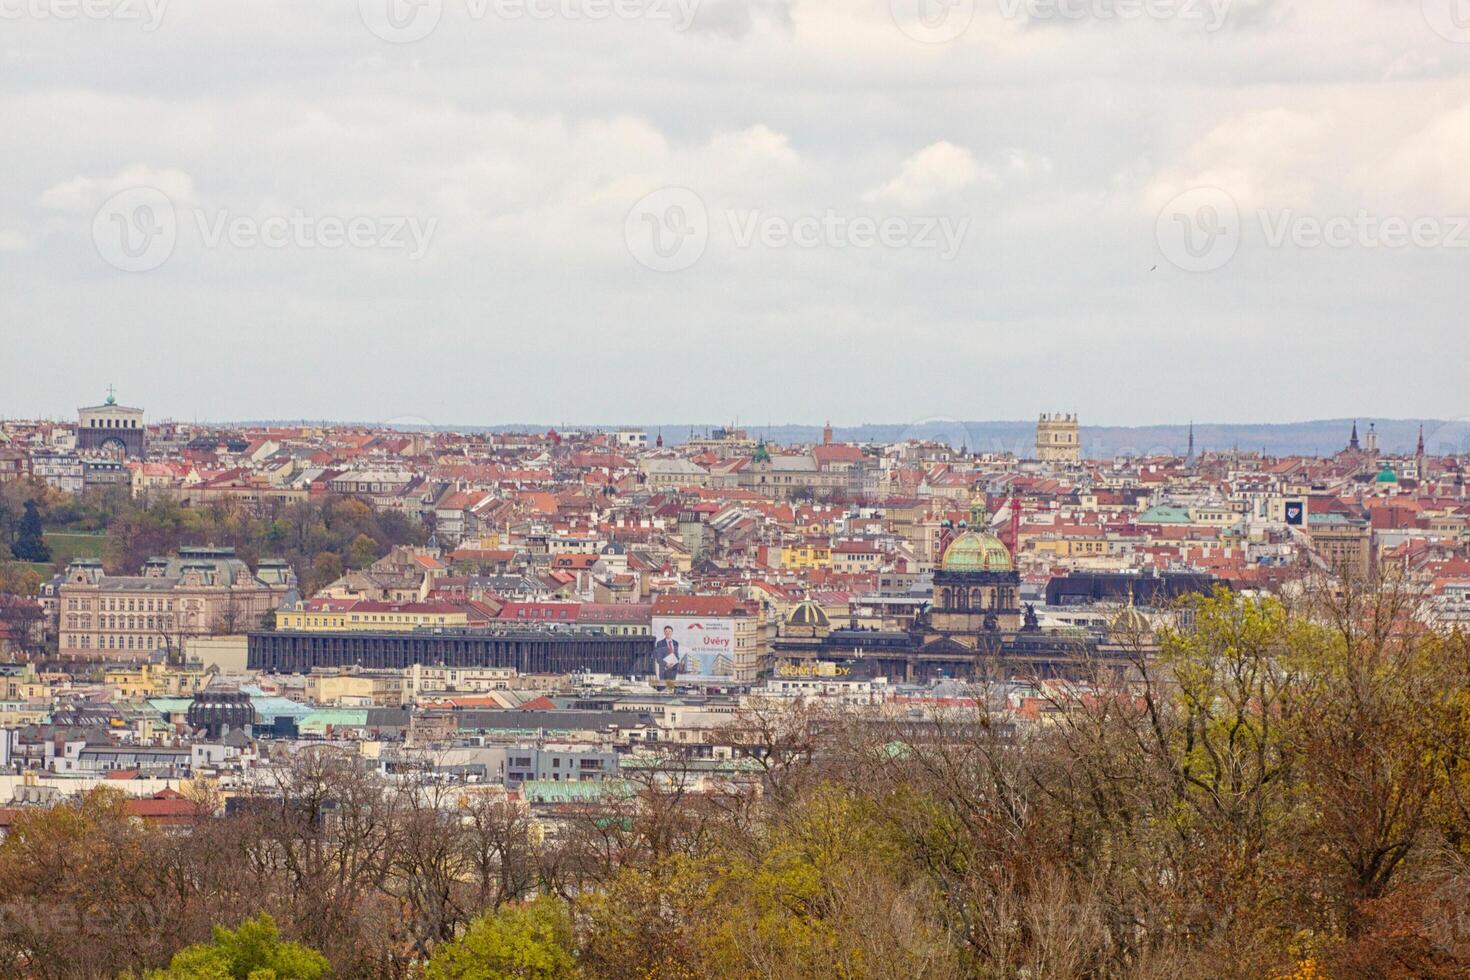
(81, 195)
(530, 140)
(930, 174)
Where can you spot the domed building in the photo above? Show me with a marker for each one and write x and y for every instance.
(806, 620)
(973, 626)
(1130, 625)
(976, 586)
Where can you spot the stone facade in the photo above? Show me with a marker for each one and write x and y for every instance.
(201, 592)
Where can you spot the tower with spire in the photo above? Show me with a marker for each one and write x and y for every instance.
(1189, 456)
(1352, 445)
(1419, 464)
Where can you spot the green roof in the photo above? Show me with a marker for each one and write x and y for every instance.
(335, 717)
(1386, 475)
(575, 791)
(976, 551)
(1164, 514)
(170, 706)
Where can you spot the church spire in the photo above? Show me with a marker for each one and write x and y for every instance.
(1353, 439)
(978, 511)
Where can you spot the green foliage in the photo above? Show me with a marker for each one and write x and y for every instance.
(19, 578)
(340, 529)
(254, 951)
(29, 543)
(523, 942)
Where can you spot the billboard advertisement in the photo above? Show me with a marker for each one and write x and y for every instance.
(686, 648)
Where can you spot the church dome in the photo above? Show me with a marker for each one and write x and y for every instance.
(1130, 622)
(1386, 475)
(808, 613)
(976, 551)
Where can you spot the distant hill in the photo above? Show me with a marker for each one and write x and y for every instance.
(1318, 437)
(1321, 437)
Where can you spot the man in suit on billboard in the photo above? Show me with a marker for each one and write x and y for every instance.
(668, 661)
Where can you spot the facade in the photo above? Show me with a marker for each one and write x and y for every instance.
(202, 591)
(111, 428)
(528, 652)
(1344, 544)
(723, 637)
(1058, 438)
(362, 614)
(61, 470)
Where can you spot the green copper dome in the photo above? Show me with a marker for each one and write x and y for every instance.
(1386, 475)
(976, 551)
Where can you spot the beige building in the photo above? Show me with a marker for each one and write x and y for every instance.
(362, 614)
(1344, 544)
(1058, 438)
(200, 592)
(155, 681)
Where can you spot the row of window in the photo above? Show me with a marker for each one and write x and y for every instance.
(84, 621)
(109, 604)
(120, 642)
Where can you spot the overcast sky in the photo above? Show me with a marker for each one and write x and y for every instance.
(600, 211)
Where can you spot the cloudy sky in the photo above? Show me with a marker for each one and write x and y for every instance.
(602, 211)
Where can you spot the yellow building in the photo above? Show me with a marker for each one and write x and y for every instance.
(20, 682)
(155, 681)
(808, 554)
(339, 615)
(1058, 438)
(348, 686)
